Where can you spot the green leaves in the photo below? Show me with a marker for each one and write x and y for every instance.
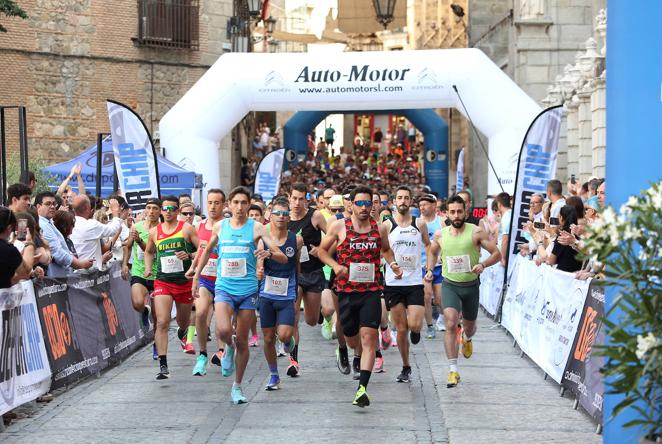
(11, 9)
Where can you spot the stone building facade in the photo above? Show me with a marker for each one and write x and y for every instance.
(71, 55)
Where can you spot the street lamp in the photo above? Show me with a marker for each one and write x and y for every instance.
(255, 8)
(384, 10)
(270, 24)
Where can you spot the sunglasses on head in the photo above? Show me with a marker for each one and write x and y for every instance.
(169, 208)
(284, 213)
(363, 203)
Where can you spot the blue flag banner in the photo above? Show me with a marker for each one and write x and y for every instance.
(459, 177)
(135, 158)
(267, 177)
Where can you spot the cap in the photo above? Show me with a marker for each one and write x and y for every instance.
(153, 201)
(336, 201)
(428, 198)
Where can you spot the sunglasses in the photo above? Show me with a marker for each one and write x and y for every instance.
(337, 210)
(187, 213)
(169, 208)
(284, 213)
(363, 203)
(384, 202)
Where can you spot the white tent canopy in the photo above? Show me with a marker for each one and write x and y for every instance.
(242, 82)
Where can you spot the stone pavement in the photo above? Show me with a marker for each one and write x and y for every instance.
(502, 399)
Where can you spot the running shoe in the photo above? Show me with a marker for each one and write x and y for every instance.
(356, 370)
(431, 333)
(414, 337)
(182, 344)
(327, 330)
(404, 375)
(287, 348)
(453, 379)
(361, 399)
(274, 383)
(334, 334)
(227, 361)
(342, 360)
(163, 372)
(293, 369)
(200, 368)
(440, 325)
(379, 365)
(254, 341)
(216, 358)
(386, 339)
(189, 349)
(238, 395)
(146, 315)
(467, 346)
(155, 354)
(280, 349)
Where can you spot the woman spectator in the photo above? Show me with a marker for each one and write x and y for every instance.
(563, 255)
(42, 255)
(14, 265)
(64, 221)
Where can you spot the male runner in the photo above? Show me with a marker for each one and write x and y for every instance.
(360, 244)
(255, 212)
(428, 206)
(460, 245)
(207, 281)
(135, 245)
(174, 243)
(309, 224)
(404, 295)
(278, 290)
(236, 281)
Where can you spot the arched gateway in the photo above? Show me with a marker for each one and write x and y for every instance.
(241, 82)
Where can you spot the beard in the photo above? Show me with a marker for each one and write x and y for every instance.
(402, 209)
(457, 223)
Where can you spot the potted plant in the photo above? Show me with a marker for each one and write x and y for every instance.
(629, 244)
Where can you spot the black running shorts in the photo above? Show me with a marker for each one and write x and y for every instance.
(405, 294)
(358, 310)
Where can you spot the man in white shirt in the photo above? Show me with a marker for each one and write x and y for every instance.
(87, 233)
(555, 195)
(503, 203)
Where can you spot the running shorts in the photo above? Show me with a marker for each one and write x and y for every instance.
(436, 274)
(207, 284)
(406, 295)
(237, 302)
(312, 282)
(275, 312)
(148, 284)
(358, 310)
(462, 297)
(181, 293)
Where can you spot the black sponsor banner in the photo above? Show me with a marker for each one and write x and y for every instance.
(88, 322)
(582, 372)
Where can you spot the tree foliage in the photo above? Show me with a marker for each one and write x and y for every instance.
(11, 9)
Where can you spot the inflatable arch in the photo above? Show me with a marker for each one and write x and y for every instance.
(433, 127)
(241, 82)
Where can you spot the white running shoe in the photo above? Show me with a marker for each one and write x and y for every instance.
(440, 325)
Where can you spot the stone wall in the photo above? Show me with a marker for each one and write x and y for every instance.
(71, 55)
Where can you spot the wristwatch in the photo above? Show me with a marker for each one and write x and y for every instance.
(392, 263)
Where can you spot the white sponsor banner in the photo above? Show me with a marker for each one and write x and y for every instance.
(135, 159)
(24, 370)
(537, 166)
(542, 310)
(267, 177)
(491, 283)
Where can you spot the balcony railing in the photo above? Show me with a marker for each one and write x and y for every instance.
(168, 24)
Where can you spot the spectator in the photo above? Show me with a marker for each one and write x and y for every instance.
(14, 266)
(41, 250)
(18, 197)
(28, 178)
(601, 195)
(503, 205)
(63, 261)
(535, 208)
(125, 215)
(329, 136)
(88, 233)
(101, 215)
(65, 189)
(555, 195)
(247, 175)
(64, 222)
(563, 254)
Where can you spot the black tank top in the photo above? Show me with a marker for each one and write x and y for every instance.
(312, 237)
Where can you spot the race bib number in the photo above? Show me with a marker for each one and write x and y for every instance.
(408, 262)
(304, 256)
(233, 268)
(171, 264)
(361, 272)
(210, 268)
(276, 285)
(458, 264)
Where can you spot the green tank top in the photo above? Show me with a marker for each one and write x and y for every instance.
(459, 255)
(138, 266)
(169, 267)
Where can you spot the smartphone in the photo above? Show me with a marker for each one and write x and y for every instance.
(573, 180)
(539, 225)
(448, 222)
(22, 229)
(554, 221)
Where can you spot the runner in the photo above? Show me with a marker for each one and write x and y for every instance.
(236, 281)
(207, 281)
(173, 243)
(460, 245)
(141, 288)
(404, 294)
(428, 206)
(359, 240)
(278, 290)
(256, 213)
(309, 224)
(327, 305)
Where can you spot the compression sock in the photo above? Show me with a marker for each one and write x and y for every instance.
(273, 369)
(203, 353)
(378, 354)
(356, 362)
(190, 332)
(415, 337)
(452, 364)
(181, 333)
(295, 353)
(163, 360)
(364, 378)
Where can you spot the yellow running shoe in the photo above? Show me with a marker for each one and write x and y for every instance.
(453, 379)
(467, 346)
(361, 399)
